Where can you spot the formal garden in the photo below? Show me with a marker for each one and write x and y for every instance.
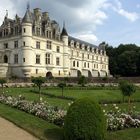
(73, 112)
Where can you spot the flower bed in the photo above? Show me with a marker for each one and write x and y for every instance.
(117, 119)
(40, 109)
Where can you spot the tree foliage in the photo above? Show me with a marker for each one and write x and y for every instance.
(127, 89)
(62, 85)
(38, 81)
(124, 60)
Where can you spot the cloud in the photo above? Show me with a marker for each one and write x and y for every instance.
(87, 36)
(131, 16)
(6, 5)
(82, 17)
(138, 5)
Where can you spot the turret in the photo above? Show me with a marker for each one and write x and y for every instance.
(64, 35)
(66, 62)
(27, 23)
(27, 53)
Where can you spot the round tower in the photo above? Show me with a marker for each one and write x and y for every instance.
(26, 43)
(66, 60)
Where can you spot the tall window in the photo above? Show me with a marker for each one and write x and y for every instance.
(16, 58)
(88, 56)
(96, 57)
(72, 52)
(5, 59)
(88, 65)
(6, 45)
(49, 45)
(77, 64)
(85, 64)
(23, 43)
(57, 61)
(16, 44)
(48, 58)
(92, 57)
(77, 54)
(36, 71)
(38, 31)
(24, 30)
(59, 72)
(37, 59)
(57, 49)
(38, 45)
(73, 63)
(82, 55)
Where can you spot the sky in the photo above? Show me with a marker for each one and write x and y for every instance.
(94, 21)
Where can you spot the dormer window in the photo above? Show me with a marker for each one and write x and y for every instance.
(77, 45)
(72, 43)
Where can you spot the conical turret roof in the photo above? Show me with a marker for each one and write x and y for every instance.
(27, 17)
(64, 31)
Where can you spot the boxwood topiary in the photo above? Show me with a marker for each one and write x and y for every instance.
(84, 121)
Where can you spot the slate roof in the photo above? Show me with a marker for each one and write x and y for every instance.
(64, 32)
(28, 17)
(81, 42)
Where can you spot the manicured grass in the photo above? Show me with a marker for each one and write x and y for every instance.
(47, 131)
(36, 126)
(128, 134)
(34, 97)
(103, 94)
(106, 95)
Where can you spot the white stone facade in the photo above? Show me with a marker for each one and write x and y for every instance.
(34, 46)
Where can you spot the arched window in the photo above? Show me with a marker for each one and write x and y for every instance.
(5, 59)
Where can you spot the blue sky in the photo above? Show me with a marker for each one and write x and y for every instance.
(112, 21)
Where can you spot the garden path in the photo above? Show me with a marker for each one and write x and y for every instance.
(9, 131)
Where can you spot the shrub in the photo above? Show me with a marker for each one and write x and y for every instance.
(84, 121)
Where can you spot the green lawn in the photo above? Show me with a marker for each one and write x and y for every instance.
(34, 97)
(103, 94)
(108, 95)
(47, 131)
(36, 126)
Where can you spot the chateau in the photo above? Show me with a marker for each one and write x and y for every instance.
(35, 46)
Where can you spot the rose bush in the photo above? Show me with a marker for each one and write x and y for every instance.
(117, 119)
(40, 109)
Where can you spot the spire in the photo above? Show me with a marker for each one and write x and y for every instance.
(64, 31)
(27, 17)
(6, 16)
(28, 5)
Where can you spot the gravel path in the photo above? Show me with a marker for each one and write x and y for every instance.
(9, 131)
